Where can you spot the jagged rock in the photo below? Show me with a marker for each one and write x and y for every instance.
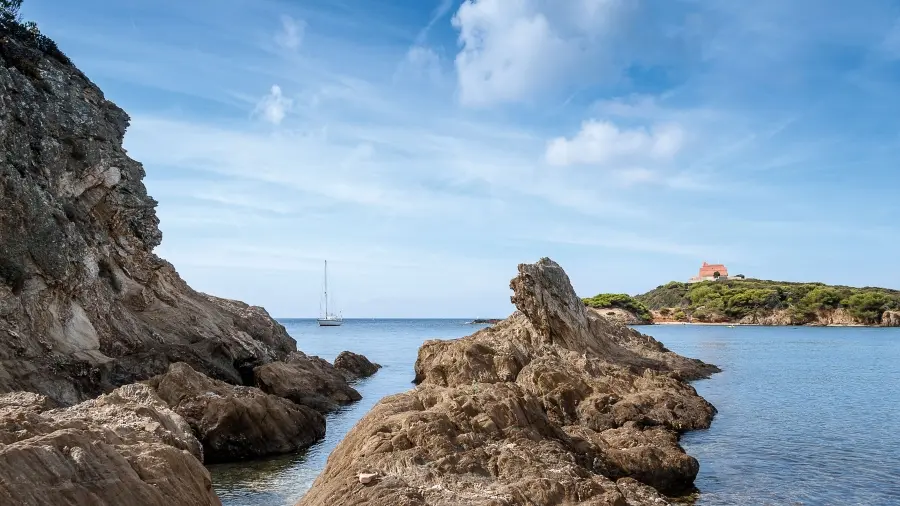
(890, 319)
(354, 366)
(554, 405)
(237, 422)
(126, 447)
(85, 305)
(308, 381)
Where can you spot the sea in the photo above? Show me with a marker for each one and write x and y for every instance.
(806, 415)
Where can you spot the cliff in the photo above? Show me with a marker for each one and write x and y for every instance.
(554, 405)
(85, 304)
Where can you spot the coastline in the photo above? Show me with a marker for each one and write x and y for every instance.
(726, 324)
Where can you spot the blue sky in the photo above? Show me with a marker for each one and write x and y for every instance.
(425, 148)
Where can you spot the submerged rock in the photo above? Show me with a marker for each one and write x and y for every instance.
(126, 447)
(308, 381)
(554, 405)
(236, 422)
(355, 366)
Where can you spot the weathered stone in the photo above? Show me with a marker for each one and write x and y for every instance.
(354, 366)
(308, 381)
(85, 305)
(127, 447)
(237, 422)
(890, 319)
(555, 405)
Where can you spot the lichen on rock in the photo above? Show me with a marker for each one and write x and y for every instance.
(555, 405)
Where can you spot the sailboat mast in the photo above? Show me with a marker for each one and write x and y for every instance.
(326, 288)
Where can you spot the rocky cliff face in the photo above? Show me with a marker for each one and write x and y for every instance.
(555, 405)
(891, 319)
(85, 305)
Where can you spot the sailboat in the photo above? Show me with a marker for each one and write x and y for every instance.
(329, 319)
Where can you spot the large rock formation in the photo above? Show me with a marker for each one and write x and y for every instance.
(890, 319)
(126, 447)
(555, 405)
(237, 422)
(355, 366)
(85, 305)
(309, 381)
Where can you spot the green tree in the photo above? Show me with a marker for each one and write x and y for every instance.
(9, 10)
(680, 316)
(716, 275)
(868, 307)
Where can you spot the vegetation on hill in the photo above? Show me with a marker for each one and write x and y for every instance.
(736, 299)
(620, 301)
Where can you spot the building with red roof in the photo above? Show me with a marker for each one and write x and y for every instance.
(708, 272)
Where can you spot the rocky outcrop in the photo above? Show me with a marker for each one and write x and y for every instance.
(555, 405)
(126, 447)
(237, 422)
(623, 316)
(354, 366)
(308, 381)
(85, 305)
(890, 319)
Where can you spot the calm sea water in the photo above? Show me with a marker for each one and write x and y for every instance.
(807, 416)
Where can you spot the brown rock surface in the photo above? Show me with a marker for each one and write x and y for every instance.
(237, 422)
(126, 447)
(891, 319)
(308, 381)
(354, 366)
(555, 405)
(85, 304)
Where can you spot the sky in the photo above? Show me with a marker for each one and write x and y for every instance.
(427, 147)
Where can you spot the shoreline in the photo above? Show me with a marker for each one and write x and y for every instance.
(726, 324)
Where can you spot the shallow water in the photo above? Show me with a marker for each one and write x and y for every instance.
(392, 343)
(807, 416)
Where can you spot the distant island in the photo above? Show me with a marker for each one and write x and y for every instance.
(753, 302)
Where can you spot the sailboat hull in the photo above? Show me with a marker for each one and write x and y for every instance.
(329, 323)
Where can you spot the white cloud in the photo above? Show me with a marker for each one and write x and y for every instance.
(424, 62)
(602, 143)
(274, 106)
(290, 36)
(513, 49)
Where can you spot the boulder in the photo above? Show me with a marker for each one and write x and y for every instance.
(308, 381)
(355, 366)
(890, 319)
(126, 447)
(555, 405)
(237, 422)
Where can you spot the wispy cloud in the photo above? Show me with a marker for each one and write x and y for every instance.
(438, 144)
(290, 36)
(274, 106)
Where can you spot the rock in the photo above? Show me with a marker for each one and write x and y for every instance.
(555, 405)
(85, 304)
(890, 319)
(308, 381)
(485, 321)
(126, 447)
(236, 423)
(354, 366)
(620, 315)
(366, 478)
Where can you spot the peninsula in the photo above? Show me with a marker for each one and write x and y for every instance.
(753, 302)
